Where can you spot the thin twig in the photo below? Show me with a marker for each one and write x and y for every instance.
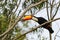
(47, 9)
(17, 6)
(51, 9)
(56, 11)
(19, 13)
(56, 34)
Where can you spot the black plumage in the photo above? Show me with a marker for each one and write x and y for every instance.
(42, 20)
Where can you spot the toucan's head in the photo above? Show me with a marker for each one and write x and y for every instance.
(29, 17)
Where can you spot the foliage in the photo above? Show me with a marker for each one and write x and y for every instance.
(29, 2)
(7, 17)
(3, 23)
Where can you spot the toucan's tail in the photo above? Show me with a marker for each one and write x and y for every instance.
(50, 30)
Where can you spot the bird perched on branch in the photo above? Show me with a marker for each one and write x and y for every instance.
(40, 20)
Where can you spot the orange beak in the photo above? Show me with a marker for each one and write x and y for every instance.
(27, 17)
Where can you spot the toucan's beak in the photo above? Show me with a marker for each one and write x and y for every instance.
(35, 18)
(29, 17)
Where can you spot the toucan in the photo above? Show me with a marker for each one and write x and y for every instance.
(40, 20)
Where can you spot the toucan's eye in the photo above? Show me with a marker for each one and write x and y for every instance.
(27, 17)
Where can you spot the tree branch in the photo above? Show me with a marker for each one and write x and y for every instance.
(51, 9)
(4, 37)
